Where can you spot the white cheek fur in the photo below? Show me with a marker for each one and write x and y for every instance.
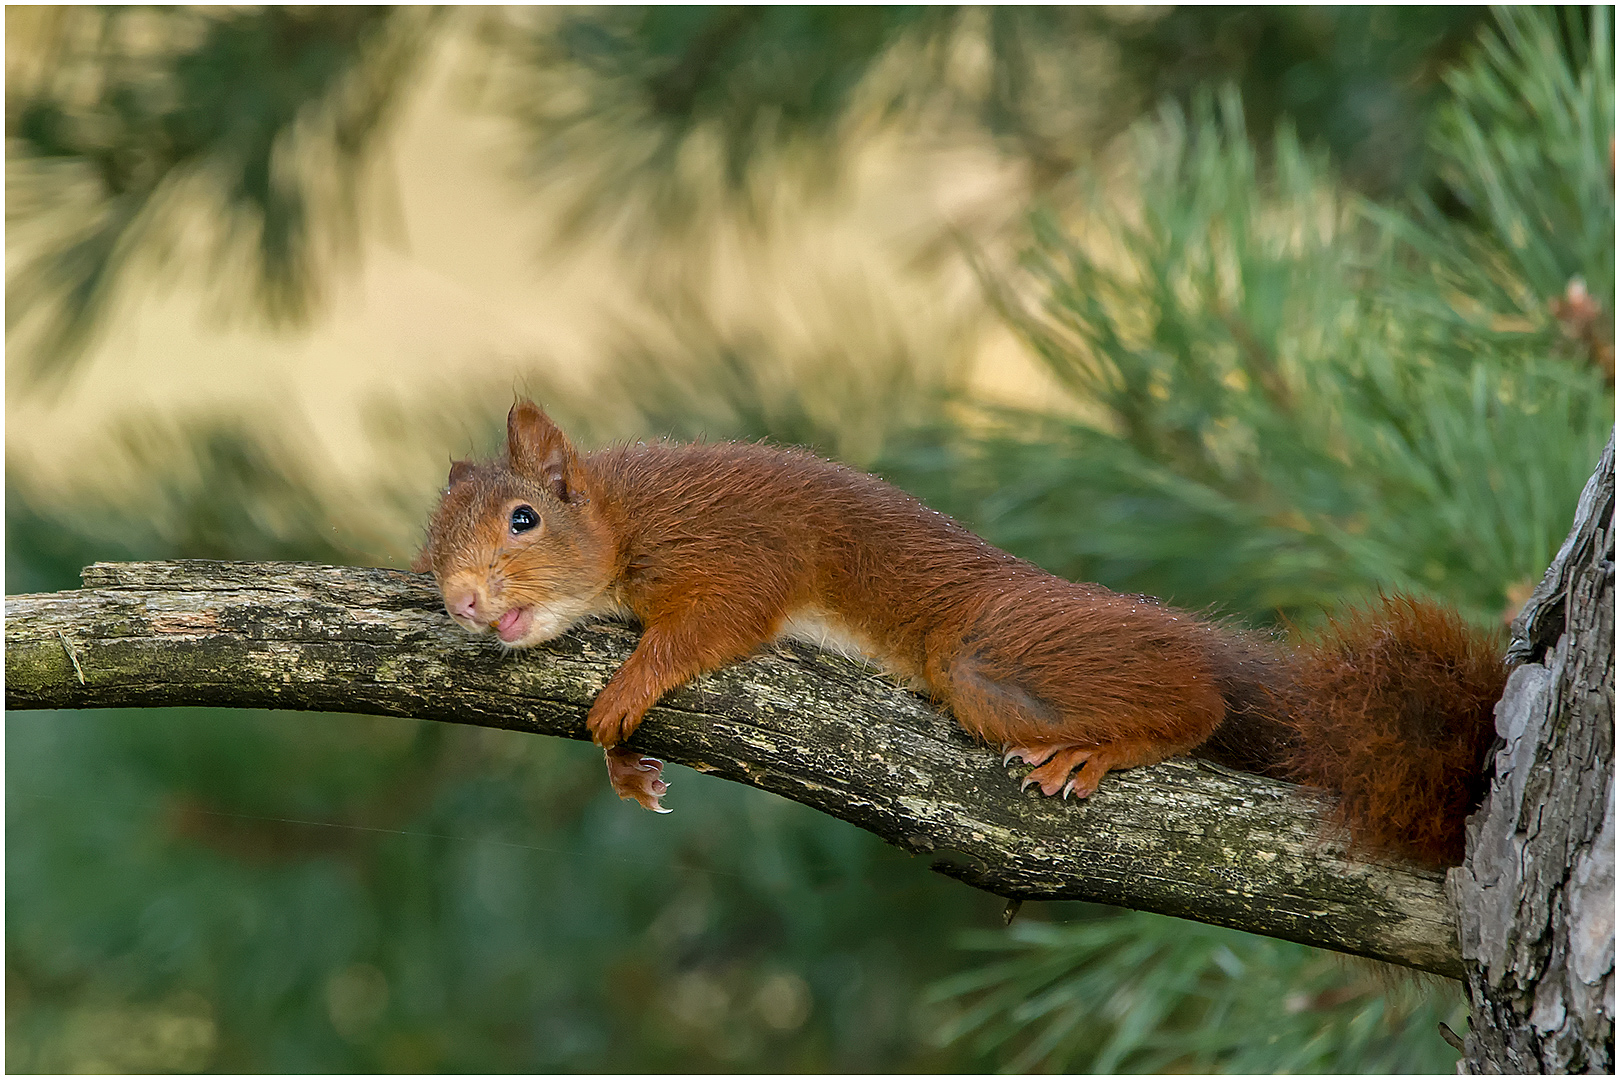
(557, 618)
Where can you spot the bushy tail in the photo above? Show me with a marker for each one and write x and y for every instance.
(1392, 707)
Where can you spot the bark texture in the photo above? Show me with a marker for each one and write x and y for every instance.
(1185, 838)
(1535, 896)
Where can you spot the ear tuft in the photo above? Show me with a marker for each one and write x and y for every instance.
(539, 450)
(459, 471)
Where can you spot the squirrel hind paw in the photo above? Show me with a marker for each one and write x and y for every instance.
(636, 776)
(1089, 764)
(1053, 764)
(1067, 769)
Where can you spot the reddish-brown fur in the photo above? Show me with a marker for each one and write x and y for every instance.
(717, 548)
(1393, 708)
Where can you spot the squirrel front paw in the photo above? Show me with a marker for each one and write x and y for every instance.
(635, 776)
(614, 716)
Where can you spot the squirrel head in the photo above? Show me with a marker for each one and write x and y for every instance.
(516, 544)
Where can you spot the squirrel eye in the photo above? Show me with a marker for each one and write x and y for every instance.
(523, 519)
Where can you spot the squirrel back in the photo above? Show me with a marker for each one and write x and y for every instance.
(717, 549)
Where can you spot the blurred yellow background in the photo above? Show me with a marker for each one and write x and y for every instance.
(462, 289)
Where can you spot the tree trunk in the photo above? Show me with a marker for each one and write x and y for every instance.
(1535, 895)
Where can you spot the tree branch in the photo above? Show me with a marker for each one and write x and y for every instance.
(1186, 838)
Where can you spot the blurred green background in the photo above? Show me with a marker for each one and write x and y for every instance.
(1257, 309)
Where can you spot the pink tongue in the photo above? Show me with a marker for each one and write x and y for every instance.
(508, 621)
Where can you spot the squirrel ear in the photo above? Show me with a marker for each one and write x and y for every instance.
(459, 471)
(540, 451)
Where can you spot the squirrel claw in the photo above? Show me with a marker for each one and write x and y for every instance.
(1055, 769)
(636, 776)
(1031, 755)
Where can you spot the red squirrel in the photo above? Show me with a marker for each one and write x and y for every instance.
(719, 548)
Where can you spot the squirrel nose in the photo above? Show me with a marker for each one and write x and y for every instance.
(463, 604)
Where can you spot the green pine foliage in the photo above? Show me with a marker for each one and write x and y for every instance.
(1133, 992)
(1525, 146)
(1283, 395)
(253, 892)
